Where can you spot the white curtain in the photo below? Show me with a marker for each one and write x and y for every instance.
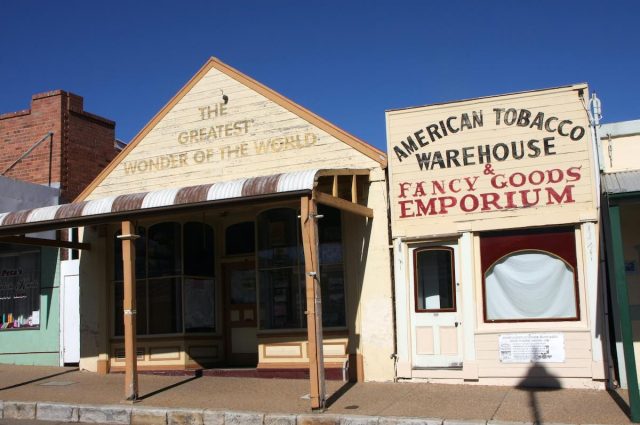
(530, 285)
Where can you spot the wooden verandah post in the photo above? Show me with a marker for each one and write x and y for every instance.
(128, 238)
(309, 227)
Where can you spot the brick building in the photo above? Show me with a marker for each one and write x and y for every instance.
(54, 143)
(81, 144)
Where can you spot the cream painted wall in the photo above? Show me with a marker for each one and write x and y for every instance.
(620, 153)
(376, 306)
(94, 296)
(276, 140)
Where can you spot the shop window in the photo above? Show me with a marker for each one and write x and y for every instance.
(141, 307)
(199, 305)
(199, 270)
(165, 301)
(435, 279)
(280, 273)
(141, 255)
(281, 269)
(530, 276)
(19, 287)
(198, 249)
(165, 276)
(240, 239)
(163, 247)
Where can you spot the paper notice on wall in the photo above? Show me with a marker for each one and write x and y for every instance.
(532, 348)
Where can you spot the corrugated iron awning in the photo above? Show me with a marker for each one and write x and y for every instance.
(622, 182)
(130, 206)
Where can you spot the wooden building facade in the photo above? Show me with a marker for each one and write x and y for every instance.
(494, 213)
(236, 229)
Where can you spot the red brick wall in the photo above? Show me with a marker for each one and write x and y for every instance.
(83, 143)
(20, 130)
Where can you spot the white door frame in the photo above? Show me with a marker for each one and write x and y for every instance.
(69, 319)
(432, 328)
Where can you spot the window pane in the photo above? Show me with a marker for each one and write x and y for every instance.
(198, 250)
(242, 286)
(278, 238)
(530, 285)
(199, 306)
(332, 283)
(434, 279)
(141, 248)
(141, 308)
(281, 299)
(19, 288)
(240, 238)
(164, 250)
(165, 306)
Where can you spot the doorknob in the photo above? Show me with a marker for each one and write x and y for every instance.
(458, 323)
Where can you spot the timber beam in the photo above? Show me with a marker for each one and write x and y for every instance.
(341, 204)
(24, 240)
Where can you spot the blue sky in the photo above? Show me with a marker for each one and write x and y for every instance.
(347, 61)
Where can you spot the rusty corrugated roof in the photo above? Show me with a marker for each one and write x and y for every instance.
(622, 182)
(61, 216)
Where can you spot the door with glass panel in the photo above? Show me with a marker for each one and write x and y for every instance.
(436, 313)
(240, 288)
(239, 278)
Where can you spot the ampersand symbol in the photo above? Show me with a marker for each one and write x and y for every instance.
(488, 169)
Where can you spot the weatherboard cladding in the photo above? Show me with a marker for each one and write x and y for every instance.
(255, 186)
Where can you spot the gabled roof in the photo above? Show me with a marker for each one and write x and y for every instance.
(356, 143)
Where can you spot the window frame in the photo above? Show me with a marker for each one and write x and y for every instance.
(494, 246)
(300, 270)
(17, 251)
(451, 251)
(181, 277)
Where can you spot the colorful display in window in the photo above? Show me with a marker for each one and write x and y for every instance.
(19, 288)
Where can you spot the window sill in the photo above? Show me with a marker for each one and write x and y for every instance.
(25, 328)
(170, 336)
(531, 327)
(266, 333)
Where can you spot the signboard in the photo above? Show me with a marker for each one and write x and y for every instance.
(532, 348)
(490, 158)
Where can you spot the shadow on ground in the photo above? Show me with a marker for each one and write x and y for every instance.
(42, 378)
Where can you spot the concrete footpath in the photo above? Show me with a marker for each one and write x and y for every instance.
(69, 395)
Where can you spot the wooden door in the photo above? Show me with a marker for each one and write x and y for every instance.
(436, 313)
(241, 314)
